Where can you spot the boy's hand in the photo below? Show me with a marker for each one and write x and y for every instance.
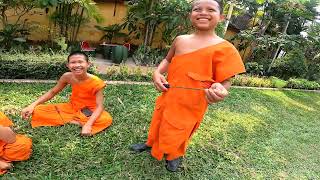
(86, 130)
(27, 112)
(159, 80)
(216, 93)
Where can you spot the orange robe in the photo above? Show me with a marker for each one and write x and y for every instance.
(179, 112)
(17, 151)
(83, 95)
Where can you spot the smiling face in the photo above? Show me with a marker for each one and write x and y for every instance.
(78, 64)
(205, 14)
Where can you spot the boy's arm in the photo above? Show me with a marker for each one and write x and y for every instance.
(218, 91)
(62, 82)
(7, 135)
(86, 129)
(158, 77)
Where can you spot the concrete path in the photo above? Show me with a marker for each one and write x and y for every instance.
(102, 64)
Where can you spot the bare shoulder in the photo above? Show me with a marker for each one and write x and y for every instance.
(66, 77)
(182, 39)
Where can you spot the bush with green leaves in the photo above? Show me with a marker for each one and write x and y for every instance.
(251, 81)
(126, 73)
(274, 82)
(145, 55)
(254, 68)
(293, 65)
(302, 84)
(33, 66)
(278, 83)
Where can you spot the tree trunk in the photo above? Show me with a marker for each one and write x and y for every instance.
(67, 24)
(232, 4)
(149, 27)
(79, 23)
(74, 25)
(4, 16)
(278, 49)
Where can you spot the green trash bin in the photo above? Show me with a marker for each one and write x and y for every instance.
(106, 52)
(124, 54)
(117, 54)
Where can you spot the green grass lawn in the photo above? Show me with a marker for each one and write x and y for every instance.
(253, 134)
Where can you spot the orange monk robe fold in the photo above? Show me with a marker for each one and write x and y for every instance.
(17, 151)
(83, 95)
(179, 112)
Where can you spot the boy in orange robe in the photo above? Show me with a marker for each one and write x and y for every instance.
(86, 102)
(13, 147)
(200, 60)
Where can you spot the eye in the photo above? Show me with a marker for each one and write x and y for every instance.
(196, 9)
(211, 10)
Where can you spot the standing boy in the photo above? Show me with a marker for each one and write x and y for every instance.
(201, 60)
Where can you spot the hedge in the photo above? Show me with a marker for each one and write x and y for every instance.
(44, 66)
(33, 66)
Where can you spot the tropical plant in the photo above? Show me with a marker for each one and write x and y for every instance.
(12, 34)
(145, 17)
(69, 15)
(148, 56)
(111, 32)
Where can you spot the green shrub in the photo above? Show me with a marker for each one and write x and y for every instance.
(313, 73)
(302, 84)
(293, 65)
(251, 81)
(126, 73)
(148, 56)
(33, 66)
(254, 68)
(278, 83)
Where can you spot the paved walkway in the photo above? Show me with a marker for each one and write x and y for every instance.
(102, 64)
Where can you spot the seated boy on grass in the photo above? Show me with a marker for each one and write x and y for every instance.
(13, 147)
(85, 107)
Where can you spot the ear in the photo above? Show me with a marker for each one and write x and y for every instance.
(222, 18)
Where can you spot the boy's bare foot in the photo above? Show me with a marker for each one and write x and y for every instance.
(75, 122)
(5, 165)
(86, 134)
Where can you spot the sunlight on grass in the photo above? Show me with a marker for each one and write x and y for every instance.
(70, 148)
(287, 101)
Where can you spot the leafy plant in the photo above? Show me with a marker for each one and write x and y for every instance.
(148, 56)
(254, 68)
(292, 65)
(145, 18)
(12, 35)
(112, 31)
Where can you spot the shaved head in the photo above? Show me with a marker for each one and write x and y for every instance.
(220, 3)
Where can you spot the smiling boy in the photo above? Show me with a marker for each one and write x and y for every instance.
(85, 107)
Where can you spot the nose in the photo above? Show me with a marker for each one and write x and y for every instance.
(203, 12)
(77, 64)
